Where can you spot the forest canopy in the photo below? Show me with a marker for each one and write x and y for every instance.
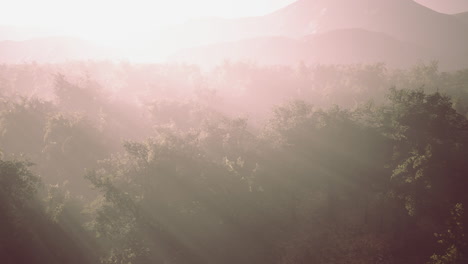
(162, 163)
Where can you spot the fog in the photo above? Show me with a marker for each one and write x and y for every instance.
(309, 132)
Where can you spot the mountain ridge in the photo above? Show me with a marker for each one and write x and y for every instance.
(324, 48)
(406, 20)
(403, 23)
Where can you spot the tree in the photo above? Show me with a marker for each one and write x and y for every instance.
(27, 235)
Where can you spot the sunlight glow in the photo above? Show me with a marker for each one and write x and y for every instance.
(110, 21)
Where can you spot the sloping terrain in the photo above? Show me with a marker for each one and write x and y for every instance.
(462, 17)
(347, 46)
(440, 36)
(325, 31)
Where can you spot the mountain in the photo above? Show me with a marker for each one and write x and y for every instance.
(405, 20)
(264, 50)
(443, 37)
(344, 46)
(446, 6)
(50, 50)
(462, 17)
(335, 31)
(351, 46)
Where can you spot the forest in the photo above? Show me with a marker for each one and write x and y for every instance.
(125, 163)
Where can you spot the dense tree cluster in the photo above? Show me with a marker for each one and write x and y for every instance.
(341, 164)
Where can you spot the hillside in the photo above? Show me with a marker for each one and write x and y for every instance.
(361, 46)
(446, 6)
(443, 37)
(462, 17)
(410, 32)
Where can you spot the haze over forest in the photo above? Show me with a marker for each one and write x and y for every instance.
(249, 131)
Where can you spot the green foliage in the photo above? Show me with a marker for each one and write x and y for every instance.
(329, 178)
(22, 125)
(27, 235)
(17, 184)
(453, 240)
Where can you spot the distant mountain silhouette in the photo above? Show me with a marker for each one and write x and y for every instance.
(446, 6)
(396, 32)
(442, 36)
(344, 46)
(350, 46)
(265, 50)
(50, 50)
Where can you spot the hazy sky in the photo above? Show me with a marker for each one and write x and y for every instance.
(71, 12)
(90, 18)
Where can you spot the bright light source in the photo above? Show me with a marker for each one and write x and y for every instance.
(122, 22)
